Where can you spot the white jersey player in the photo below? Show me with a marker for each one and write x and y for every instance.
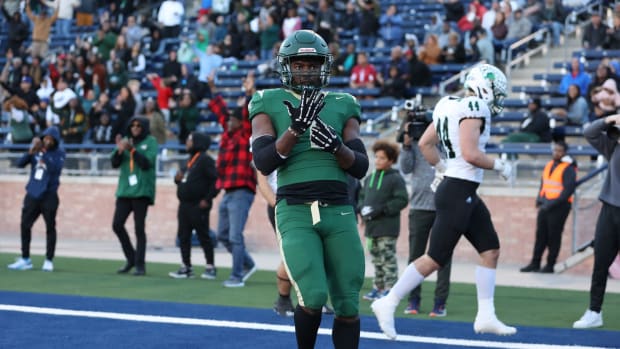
(461, 126)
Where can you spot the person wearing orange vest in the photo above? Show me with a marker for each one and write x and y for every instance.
(554, 203)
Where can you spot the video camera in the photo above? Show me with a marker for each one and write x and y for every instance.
(416, 121)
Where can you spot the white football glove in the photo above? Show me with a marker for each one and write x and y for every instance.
(503, 168)
(440, 170)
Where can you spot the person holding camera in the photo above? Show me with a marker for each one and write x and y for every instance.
(383, 197)
(46, 160)
(422, 207)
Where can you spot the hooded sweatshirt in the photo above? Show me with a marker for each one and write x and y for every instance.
(386, 192)
(137, 176)
(199, 178)
(45, 167)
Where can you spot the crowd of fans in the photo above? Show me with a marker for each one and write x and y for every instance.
(89, 76)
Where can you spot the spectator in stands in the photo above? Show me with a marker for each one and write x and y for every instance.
(519, 27)
(576, 111)
(156, 120)
(164, 94)
(105, 40)
(59, 105)
(188, 81)
(535, 128)
(576, 75)
(420, 74)
(137, 62)
(499, 29)
(269, 35)
(134, 87)
(344, 63)
(20, 121)
(325, 22)
(85, 13)
(103, 132)
(454, 51)
(291, 23)
(156, 41)
(249, 43)
(74, 124)
(485, 48)
(444, 37)
(454, 9)
(553, 202)
(209, 61)
(135, 155)
(99, 74)
(117, 78)
(430, 51)
(221, 28)
(36, 71)
(41, 28)
(364, 74)
(46, 159)
(368, 23)
(230, 46)
(595, 32)
(602, 73)
(186, 115)
(124, 106)
(605, 99)
(101, 106)
(237, 178)
(475, 12)
(411, 46)
(169, 17)
(133, 32)
(195, 190)
(383, 196)
(603, 136)
(613, 34)
(390, 27)
(65, 14)
(488, 19)
(434, 27)
(17, 31)
(11, 75)
(398, 60)
(350, 19)
(393, 84)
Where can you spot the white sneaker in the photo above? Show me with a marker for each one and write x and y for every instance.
(21, 264)
(48, 265)
(589, 319)
(384, 312)
(490, 324)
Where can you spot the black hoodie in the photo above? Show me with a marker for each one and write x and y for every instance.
(199, 173)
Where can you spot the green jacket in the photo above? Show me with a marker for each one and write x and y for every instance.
(386, 193)
(141, 181)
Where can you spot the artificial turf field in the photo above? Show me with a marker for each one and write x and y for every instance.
(84, 303)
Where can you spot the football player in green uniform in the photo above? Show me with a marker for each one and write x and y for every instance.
(312, 138)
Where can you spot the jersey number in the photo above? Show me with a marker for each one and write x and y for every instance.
(473, 106)
(444, 136)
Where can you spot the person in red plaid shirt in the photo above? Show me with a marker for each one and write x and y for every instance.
(237, 178)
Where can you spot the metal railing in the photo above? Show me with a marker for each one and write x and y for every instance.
(527, 54)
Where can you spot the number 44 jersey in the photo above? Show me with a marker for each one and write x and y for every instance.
(447, 116)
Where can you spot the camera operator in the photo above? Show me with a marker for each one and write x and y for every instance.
(422, 204)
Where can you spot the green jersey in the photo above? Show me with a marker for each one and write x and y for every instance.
(134, 182)
(306, 163)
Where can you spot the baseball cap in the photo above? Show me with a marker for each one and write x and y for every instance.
(27, 79)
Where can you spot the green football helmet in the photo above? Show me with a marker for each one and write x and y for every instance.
(304, 44)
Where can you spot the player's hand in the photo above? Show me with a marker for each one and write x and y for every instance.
(369, 213)
(440, 170)
(312, 101)
(504, 169)
(324, 137)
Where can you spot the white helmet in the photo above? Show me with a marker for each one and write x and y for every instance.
(489, 84)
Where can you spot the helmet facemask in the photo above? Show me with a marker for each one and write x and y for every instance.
(299, 79)
(489, 84)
